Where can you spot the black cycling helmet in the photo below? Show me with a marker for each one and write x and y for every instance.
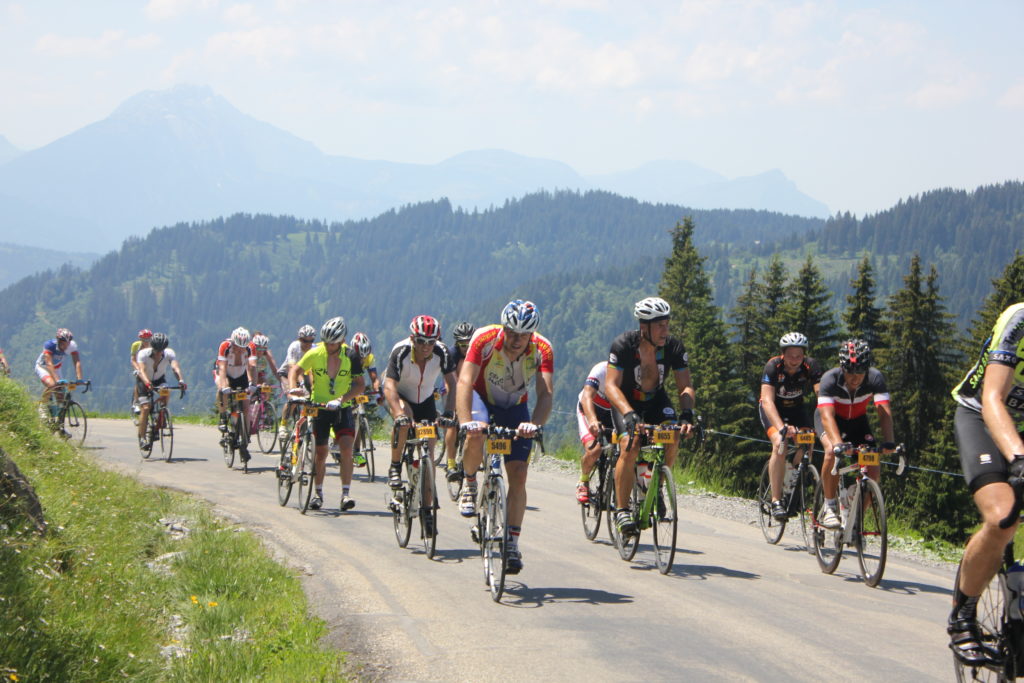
(463, 331)
(159, 341)
(855, 356)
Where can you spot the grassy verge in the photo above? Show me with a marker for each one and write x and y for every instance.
(109, 594)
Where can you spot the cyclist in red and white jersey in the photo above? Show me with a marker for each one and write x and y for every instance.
(414, 366)
(493, 387)
(261, 359)
(593, 413)
(233, 373)
(841, 418)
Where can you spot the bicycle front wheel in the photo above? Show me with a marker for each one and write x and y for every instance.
(307, 472)
(265, 426)
(804, 498)
(428, 507)
(495, 539)
(828, 543)
(401, 510)
(287, 471)
(166, 433)
(870, 532)
(590, 512)
(665, 521)
(242, 434)
(770, 527)
(75, 423)
(993, 623)
(368, 451)
(625, 544)
(146, 452)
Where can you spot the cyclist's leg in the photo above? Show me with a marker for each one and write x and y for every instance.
(472, 457)
(345, 438)
(657, 411)
(321, 437)
(777, 460)
(426, 410)
(829, 481)
(451, 436)
(145, 401)
(591, 446)
(400, 435)
(625, 467)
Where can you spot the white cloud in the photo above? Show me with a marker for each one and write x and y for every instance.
(16, 13)
(1013, 97)
(262, 43)
(241, 13)
(932, 95)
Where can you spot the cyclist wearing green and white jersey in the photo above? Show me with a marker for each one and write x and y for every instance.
(337, 378)
(989, 427)
(261, 360)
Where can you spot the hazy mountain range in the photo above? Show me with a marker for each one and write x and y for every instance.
(187, 154)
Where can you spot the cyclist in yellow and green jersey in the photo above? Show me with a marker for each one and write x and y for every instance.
(141, 343)
(361, 343)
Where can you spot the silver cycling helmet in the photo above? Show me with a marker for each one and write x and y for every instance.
(333, 330)
(793, 339)
(651, 309)
(306, 331)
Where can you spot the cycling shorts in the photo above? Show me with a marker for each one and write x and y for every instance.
(856, 431)
(980, 458)
(795, 416)
(144, 394)
(340, 420)
(42, 373)
(427, 410)
(512, 417)
(657, 410)
(603, 416)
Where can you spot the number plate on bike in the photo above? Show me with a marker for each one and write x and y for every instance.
(310, 411)
(500, 446)
(266, 390)
(664, 436)
(868, 458)
(164, 392)
(241, 396)
(426, 432)
(362, 398)
(805, 438)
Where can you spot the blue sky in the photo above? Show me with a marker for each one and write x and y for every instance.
(860, 103)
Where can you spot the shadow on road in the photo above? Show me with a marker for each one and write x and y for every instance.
(698, 571)
(522, 596)
(907, 587)
(455, 555)
(176, 461)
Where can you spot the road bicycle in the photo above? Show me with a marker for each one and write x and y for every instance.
(798, 490)
(862, 511)
(298, 465)
(160, 427)
(1000, 621)
(237, 435)
(417, 496)
(491, 529)
(599, 488)
(652, 502)
(263, 418)
(363, 443)
(456, 477)
(62, 414)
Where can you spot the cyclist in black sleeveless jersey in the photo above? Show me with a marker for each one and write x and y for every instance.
(989, 426)
(637, 365)
(787, 378)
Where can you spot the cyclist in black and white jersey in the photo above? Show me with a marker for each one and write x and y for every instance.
(593, 413)
(153, 363)
(414, 365)
(462, 333)
(989, 425)
(787, 378)
(638, 363)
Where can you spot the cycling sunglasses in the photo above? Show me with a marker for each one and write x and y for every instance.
(306, 340)
(423, 341)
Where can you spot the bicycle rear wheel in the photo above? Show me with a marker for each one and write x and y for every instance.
(75, 424)
(993, 623)
(665, 521)
(626, 545)
(428, 507)
(307, 472)
(770, 527)
(242, 436)
(805, 499)
(166, 433)
(495, 532)
(368, 450)
(287, 472)
(455, 485)
(870, 532)
(591, 511)
(265, 425)
(401, 510)
(828, 543)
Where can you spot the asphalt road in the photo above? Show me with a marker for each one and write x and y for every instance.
(732, 608)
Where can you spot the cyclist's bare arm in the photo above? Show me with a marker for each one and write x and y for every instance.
(545, 394)
(687, 396)
(451, 382)
(768, 405)
(884, 411)
(997, 385)
(464, 391)
(374, 381)
(828, 422)
(391, 397)
(356, 388)
(613, 390)
(222, 374)
(587, 404)
(293, 377)
(78, 364)
(176, 369)
(272, 363)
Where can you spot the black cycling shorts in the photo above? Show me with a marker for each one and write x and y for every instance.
(795, 416)
(427, 410)
(653, 412)
(856, 431)
(980, 458)
(340, 419)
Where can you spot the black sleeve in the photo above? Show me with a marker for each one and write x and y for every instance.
(771, 371)
(394, 360)
(675, 354)
(816, 370)
(356, 361)
(447, 358)
(619, 353)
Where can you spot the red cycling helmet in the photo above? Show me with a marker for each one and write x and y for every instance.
(64, 334)
(145, 333)
(425, 326)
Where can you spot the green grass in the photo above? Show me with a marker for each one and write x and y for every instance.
(81, 603)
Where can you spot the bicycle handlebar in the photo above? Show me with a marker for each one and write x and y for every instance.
(848, 450)
(77, 382)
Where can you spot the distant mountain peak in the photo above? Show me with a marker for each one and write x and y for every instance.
(180, 100)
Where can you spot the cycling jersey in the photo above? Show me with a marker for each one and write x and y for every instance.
(293, 354)
(503, 382)
(625, 357)
(790, 389)
(326, 388)
(850, 406)
(1005, 346)
(415, 385)
(236, 358)
(136, 346)
(155, 369)
(369, 362)
(596, 379)
(56, 355)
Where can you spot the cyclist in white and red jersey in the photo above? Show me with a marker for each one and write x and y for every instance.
(462, 333)
(593, 413)
(153, 362)
(841, 418)
(414, 366)
(304, 341)
(50, 363)
(261, 359)
(493, 387)
(233, 373)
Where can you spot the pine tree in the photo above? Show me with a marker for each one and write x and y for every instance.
(862, 317)
(807, 309)
(750, 328)
(721, 395)
(774, 297)
(1007, 290)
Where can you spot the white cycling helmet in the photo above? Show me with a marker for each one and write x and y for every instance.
(793, 339)
(240, 337)
(333, 330)
(261, 341)
(520, 316)
(650, 309)
(306, 331)
(361, 343)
